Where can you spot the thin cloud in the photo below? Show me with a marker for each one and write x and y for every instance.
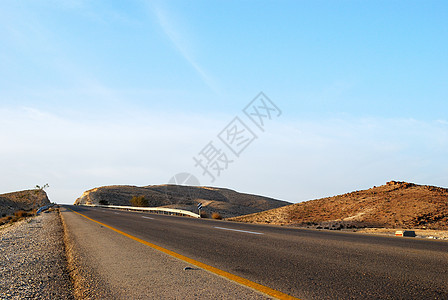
(27, 37)
(294, 160)
(179, 43)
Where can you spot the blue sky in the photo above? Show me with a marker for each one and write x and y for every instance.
(126, 92)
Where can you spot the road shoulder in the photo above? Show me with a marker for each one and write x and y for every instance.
(32, 260)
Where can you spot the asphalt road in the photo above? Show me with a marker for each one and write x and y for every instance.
(307, 264)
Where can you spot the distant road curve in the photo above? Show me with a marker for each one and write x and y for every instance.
(306, 264)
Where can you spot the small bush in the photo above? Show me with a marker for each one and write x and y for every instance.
(18, 215)
(103, 202)
(216, 216)
(139, 201)
(204, 214)
(14, 219)
(5, 220)
(23, 214)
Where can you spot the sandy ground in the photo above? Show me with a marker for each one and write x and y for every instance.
(421, 233)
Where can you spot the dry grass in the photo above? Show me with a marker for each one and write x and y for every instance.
(18, 215)
(216, 216)
(5, 220)
(139, 201)
(23, 214)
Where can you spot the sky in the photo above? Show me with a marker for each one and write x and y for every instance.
(294, 100)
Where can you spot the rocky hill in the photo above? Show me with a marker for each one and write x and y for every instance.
(22, 200)
(227, 202)
(393, 205)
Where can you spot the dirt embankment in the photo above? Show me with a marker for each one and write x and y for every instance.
(22, 200)
(393, 205)
(226, 202)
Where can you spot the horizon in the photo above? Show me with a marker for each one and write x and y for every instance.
(217, 187)
(353, 95)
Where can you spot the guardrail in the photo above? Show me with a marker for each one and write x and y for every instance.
(43, 208)
(152, 209)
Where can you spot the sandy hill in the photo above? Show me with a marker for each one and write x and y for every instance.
(394, 205)
(22, 200)
(227, 202)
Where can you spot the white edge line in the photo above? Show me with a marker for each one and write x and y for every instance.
(253, 232)
(148, 218)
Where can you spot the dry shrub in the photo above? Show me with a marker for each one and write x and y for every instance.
(22, 214)
(216, 216)
(18, 215)
(14, 219)
(5, 220)
(139, 201)
(204, 214)
(9, 219)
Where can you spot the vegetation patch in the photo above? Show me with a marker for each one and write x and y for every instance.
(216, 216)
(18, 215)
(139, 201)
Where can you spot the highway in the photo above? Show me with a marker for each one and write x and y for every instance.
(306, 264)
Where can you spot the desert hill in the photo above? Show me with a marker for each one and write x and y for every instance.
(393, 205)
(22, 200)
(227, 202)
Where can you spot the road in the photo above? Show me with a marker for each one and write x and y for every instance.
(307, 264)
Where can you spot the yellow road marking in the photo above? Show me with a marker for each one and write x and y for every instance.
(238, 279)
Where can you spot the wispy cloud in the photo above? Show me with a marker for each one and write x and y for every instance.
(178, 40)
(72, 152)
(302, 160)
(294, 160)
(27, 37)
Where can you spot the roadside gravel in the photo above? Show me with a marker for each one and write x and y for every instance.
(421, 233)
(32, 259)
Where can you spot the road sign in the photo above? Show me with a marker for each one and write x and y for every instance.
(199, 205)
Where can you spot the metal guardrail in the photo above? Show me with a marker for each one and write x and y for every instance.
(43, 208)
(154, 209)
